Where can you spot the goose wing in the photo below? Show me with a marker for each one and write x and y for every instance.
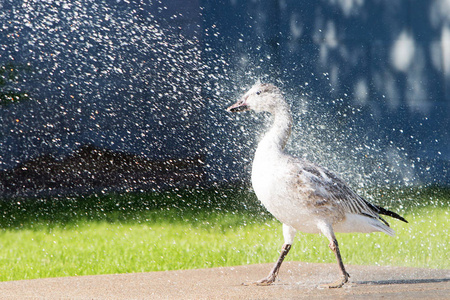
(328, 189)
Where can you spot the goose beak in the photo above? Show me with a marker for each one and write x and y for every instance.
(238, 106)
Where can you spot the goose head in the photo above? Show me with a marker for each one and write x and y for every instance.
(260, 97)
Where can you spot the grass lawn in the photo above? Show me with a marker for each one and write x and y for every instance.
(197, 229)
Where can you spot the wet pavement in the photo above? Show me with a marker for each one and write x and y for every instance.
(297, 280)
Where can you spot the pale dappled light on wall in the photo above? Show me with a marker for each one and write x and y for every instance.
(349, 7)
(402, 52)
(445, 46)
(361, 91)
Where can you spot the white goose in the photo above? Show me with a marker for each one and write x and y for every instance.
(301, 195)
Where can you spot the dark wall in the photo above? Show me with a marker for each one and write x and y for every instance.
(119, 75)
(367, 81)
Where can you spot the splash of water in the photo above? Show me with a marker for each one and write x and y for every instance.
(136, 77)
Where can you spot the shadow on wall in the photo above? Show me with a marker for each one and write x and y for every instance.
(91, 169)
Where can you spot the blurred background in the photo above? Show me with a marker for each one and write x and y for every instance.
(120, 95)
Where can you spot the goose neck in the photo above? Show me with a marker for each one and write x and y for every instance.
(279, 132)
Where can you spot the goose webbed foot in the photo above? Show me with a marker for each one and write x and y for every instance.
(262, 282)
(336, 284)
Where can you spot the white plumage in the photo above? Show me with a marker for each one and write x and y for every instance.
(303, 196)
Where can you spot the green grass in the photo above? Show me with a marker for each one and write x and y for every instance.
(122, 233)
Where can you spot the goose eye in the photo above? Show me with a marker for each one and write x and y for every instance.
(258, 93)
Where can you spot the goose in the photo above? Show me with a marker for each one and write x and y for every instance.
(302, 195)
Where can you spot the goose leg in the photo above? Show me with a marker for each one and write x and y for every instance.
(344, 278)
(327, 230)
(273, 274)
